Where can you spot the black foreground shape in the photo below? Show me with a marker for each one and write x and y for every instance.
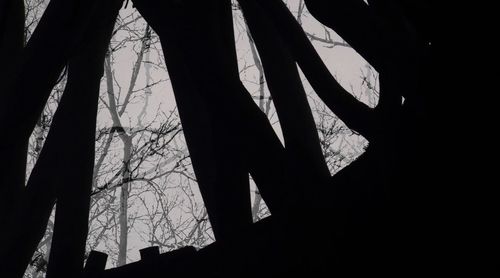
(378, 210)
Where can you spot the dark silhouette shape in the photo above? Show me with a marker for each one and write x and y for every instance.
(376, 223)
(12, 175)
(353, 113)
(96, 262)
(150, 252)
(214, 151)
(76, 165)
(63, 171)
(299, 129)
(32, 78)
(180, 262)
(219, 98)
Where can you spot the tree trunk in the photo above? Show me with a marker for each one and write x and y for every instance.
(125, 190)
(126, 140)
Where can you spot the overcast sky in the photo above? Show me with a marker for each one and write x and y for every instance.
(343, 62)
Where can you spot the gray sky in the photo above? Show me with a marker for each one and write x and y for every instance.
(343, 62)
